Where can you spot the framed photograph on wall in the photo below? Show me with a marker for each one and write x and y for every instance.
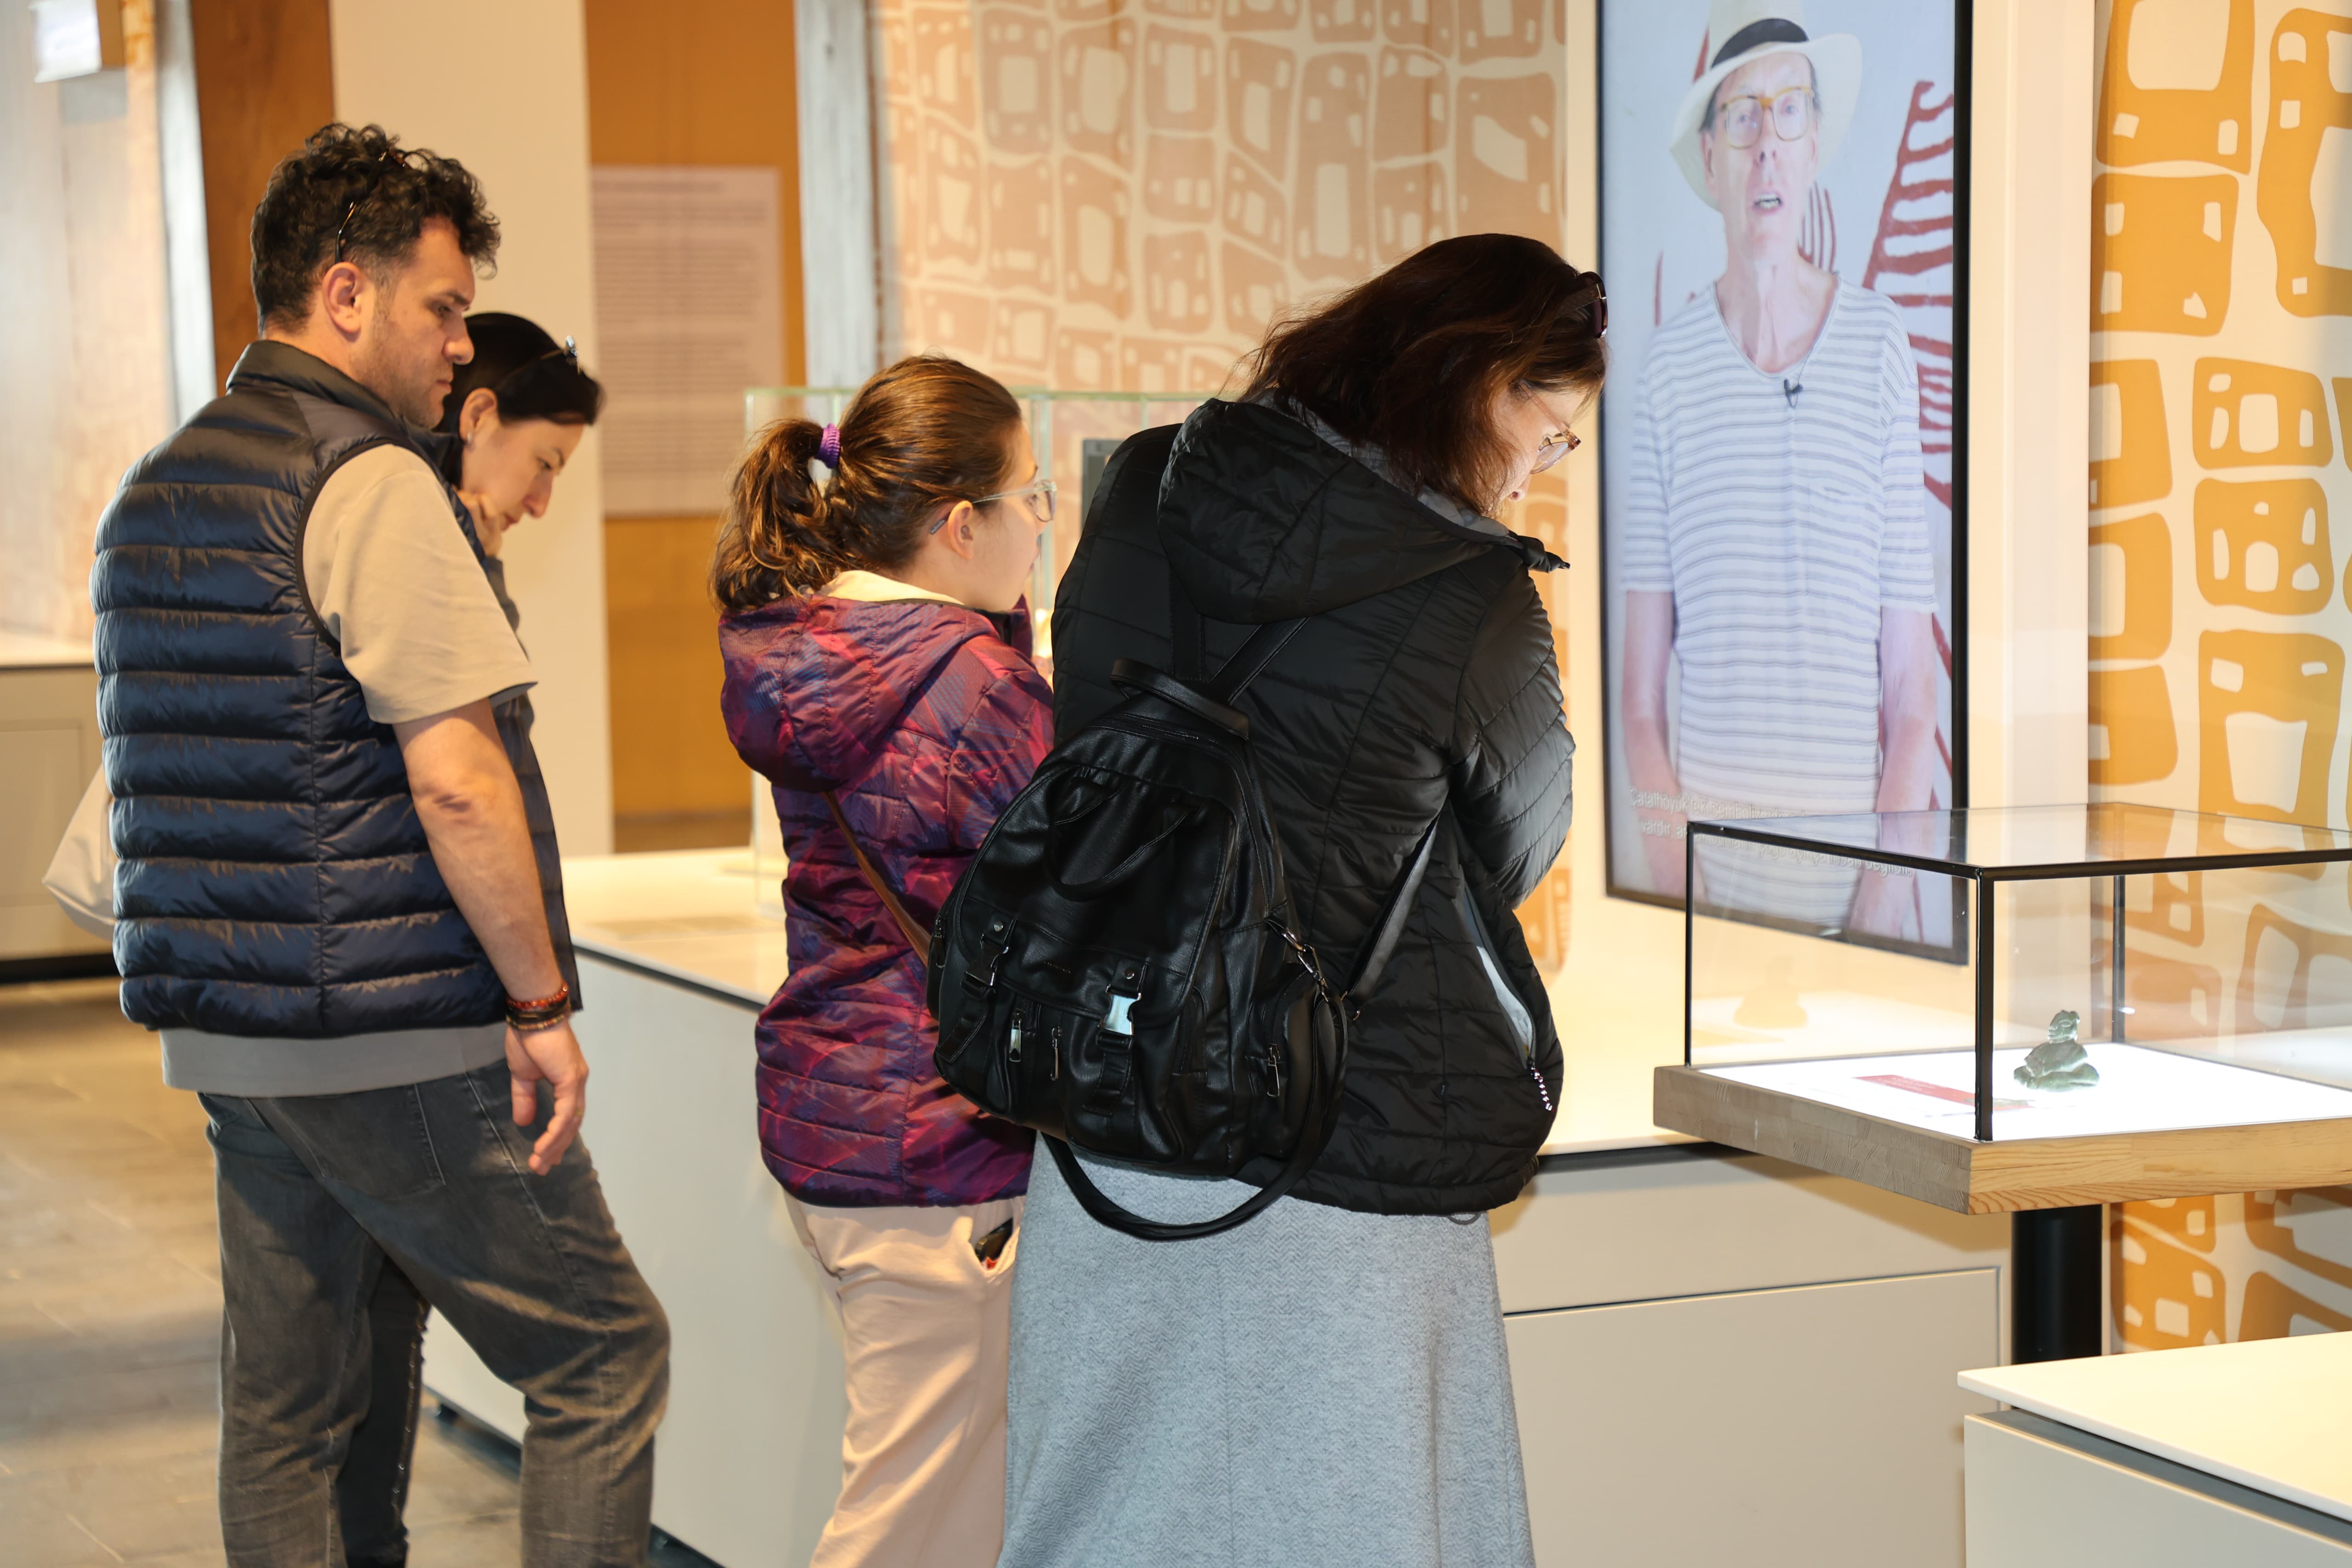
(1783, 228)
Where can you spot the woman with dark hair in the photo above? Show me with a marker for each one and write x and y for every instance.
(517, 409)
(876, 642)
(1328, 1384)
(512, 419)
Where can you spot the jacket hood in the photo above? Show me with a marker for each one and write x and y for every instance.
(1265, 514)
(815, 686)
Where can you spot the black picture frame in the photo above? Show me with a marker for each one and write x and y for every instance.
(1637, 14)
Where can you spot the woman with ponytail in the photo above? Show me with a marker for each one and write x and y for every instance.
(876, 645)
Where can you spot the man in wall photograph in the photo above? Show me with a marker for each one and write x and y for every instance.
(1773, 547)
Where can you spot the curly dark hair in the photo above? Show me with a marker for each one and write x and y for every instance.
(356, 194)
(1411, 361)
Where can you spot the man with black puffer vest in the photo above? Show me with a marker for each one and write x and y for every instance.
(328, 901)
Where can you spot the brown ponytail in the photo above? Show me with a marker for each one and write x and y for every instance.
(927, 430)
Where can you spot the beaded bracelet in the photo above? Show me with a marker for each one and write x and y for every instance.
(543, 1014)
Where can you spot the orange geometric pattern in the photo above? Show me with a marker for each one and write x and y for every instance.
(2246, 415)
(2263, 544)
(2140, 550)
(2216, 466)
(2166, 1296)
(2310, 97)
(2263, 1003)
(2133, 740)
(2156, 124)
(2160, 252)
(2267, 705)
(2131, 455)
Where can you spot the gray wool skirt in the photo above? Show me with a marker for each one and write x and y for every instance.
(1315, 1387)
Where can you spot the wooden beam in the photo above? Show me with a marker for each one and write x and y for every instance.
(263, 81)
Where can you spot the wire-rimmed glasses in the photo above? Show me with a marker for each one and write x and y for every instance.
(1040, 497)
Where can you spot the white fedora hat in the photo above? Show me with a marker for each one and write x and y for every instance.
(1741, 32)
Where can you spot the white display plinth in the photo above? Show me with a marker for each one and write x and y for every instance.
(2176, 1458)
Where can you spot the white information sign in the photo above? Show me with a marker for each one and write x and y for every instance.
(2139, 1091)
(689, 313)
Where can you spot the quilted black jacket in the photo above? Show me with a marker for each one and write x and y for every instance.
(1426, 682)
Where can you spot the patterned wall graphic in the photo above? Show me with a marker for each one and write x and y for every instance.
(1123, 195)
(2221, 609)
(1098, 194)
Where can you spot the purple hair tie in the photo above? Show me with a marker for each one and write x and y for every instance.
(828, 447)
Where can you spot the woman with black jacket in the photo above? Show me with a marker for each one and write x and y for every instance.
(1328, 1384)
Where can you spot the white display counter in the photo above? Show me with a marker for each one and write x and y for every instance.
(2234, 1453)
(1716, 1356)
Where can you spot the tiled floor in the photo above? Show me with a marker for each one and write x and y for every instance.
(110, 1316)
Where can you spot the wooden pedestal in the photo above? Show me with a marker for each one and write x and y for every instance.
(1969, 1177)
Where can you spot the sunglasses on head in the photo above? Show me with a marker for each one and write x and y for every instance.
(1593, 295)
(389, 156)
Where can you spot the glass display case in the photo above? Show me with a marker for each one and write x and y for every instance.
(2019, 976)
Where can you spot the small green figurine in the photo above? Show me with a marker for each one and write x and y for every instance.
(2059, 1062)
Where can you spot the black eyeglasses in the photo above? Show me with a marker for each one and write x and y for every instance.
(391, 155)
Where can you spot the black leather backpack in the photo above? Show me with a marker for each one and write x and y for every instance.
(1119, 967)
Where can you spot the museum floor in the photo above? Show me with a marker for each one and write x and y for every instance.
(110, 1316)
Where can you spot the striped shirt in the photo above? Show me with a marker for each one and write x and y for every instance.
(1782, 527)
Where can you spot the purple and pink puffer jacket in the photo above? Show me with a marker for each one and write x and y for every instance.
(927, 722)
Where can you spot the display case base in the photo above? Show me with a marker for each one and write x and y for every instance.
(2004, 1176)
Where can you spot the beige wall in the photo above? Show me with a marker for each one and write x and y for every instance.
(504, 88)
(84, 363)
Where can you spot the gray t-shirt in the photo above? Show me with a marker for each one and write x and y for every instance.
(400, 589)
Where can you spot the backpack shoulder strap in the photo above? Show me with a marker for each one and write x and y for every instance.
(1382, 941)
(1188, 635)
(917, 938)
(1249, 660)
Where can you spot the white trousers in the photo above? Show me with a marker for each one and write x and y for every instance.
(924, 1320)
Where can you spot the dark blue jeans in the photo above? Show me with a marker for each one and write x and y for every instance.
(315, 1193)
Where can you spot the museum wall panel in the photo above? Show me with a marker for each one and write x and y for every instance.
(2221, 284)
